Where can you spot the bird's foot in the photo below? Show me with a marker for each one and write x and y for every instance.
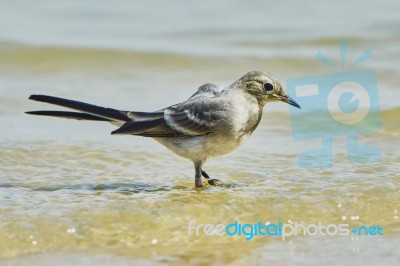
(215, 182)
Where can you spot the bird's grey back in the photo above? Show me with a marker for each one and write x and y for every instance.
(206, 90)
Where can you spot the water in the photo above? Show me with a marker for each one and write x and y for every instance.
(72, 193)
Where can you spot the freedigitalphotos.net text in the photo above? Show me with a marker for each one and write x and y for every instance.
(283, 230)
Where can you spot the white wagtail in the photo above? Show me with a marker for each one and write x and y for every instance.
(212, 122)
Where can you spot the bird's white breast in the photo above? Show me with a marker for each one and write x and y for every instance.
(243, 111)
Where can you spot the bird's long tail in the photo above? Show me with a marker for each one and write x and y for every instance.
(89, 111)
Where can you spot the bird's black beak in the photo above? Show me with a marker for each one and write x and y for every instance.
(290, 101)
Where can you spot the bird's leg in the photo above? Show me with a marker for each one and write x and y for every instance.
(197, 179)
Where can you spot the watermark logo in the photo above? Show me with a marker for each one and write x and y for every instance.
(280, 229)
(343, 103)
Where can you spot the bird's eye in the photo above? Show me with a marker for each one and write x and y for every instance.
(268, 86)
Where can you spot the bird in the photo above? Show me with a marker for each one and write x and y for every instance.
(213, 122)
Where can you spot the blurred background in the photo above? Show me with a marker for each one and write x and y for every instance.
(71, 193)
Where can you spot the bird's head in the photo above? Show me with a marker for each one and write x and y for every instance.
(264, 88)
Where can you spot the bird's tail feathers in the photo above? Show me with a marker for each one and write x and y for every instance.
(70, 115)
(90, 111)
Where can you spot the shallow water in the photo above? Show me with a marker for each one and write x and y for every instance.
(72, 193)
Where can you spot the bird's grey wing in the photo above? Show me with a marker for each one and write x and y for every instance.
(200, 115)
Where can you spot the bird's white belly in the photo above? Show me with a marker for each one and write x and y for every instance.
(202, 147)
